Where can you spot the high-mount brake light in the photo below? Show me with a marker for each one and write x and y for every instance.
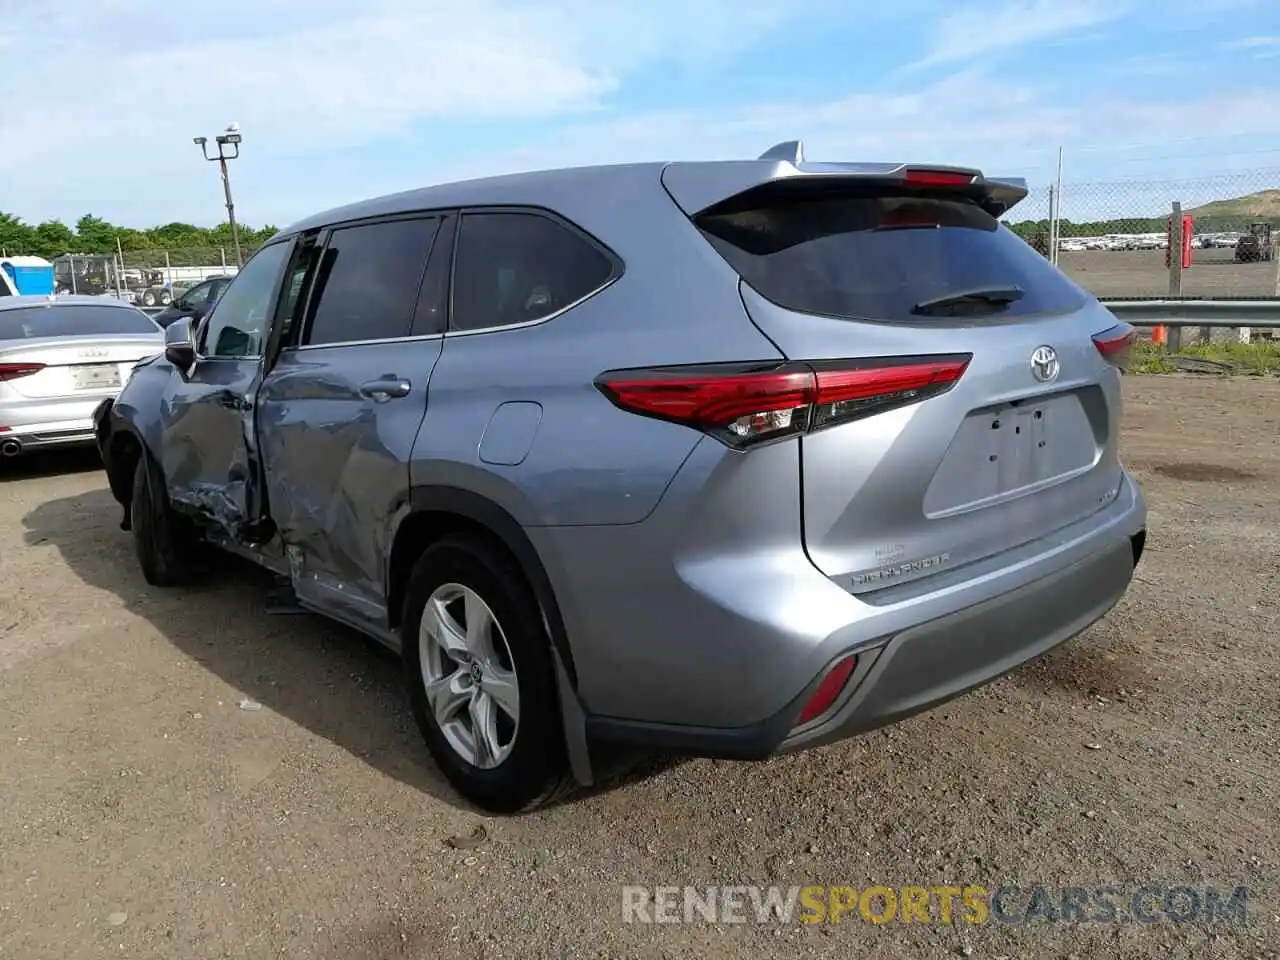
(938, 178)
(743, 404)
(12, 371)
(1115, 343)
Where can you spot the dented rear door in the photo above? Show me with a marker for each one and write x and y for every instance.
(341, 407)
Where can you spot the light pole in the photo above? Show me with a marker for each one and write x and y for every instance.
(229, 138)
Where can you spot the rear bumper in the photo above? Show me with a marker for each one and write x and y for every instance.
(923, 667)
(40, 436)
(40, 424)
(930, 661)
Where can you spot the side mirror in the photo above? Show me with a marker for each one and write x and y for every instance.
(180, 345)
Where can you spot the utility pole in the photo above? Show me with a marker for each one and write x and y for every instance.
(1057, 220)
(229, 138)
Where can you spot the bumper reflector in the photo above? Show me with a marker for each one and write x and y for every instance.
(828, 690)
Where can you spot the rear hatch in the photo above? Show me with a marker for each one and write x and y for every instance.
(72, 350)
(981, 397)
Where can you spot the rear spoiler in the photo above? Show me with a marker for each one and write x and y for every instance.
(701, 187)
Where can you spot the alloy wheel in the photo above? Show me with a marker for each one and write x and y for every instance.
(469, 675)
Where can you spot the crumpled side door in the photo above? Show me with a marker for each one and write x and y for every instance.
(208, 449)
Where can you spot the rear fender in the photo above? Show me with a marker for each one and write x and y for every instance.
(478, 512)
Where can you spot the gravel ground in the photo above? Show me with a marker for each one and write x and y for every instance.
(1142, 273)
(146, 813)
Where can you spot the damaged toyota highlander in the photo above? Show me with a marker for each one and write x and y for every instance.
(726, 459)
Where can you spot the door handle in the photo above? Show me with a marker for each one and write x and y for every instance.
(382, 390)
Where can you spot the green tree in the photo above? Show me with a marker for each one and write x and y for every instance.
(16, 237)
(186, 243)
(95, 235)
(51, 238)
(131, 239)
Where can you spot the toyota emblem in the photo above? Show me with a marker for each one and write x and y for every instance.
(1044, 364)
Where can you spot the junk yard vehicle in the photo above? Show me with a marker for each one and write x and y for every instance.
(1255, 245)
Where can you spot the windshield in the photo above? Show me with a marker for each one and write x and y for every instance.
(878, 257)
(72, 320)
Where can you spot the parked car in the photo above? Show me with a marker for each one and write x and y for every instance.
(59, 357)
(726, 458)
(195, 303)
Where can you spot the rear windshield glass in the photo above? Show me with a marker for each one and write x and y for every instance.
(880, 257)
(68, 320)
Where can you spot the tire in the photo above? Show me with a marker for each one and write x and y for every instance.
(148, 299)
(166, 298)
(167, 549)
(534, 768)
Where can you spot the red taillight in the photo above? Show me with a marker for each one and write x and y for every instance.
(846, 393)
(828, 690)
(742, 404)
(939, 178)
(12, 371)
(1115, 343)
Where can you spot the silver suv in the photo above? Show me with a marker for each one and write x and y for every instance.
(722, 458)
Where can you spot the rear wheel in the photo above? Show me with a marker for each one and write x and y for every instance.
(167, 549)
(480, 676)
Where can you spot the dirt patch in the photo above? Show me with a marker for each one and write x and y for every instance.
(145, 815)
(1202, 472)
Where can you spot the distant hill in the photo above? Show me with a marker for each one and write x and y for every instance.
(1217, 216)
(1264, 205)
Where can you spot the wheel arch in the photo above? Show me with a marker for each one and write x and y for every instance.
(435, 511)
(121, 446)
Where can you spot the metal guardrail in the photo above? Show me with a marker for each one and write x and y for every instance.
(1262, 314)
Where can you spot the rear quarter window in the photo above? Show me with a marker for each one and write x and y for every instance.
(877, 257)
(521, 267)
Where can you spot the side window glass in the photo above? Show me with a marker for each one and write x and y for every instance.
(237, 327)
(519, 267)
(368, 280)
(300, 270)
(194, 295)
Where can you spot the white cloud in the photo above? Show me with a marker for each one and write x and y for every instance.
(332, 79)
(981, 31)
(1254, 43)
(99, 118)
(103, 88)
(296, 73)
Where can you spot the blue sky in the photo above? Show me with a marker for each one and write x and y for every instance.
(342, 99)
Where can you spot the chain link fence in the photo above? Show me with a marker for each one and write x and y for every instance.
(148, 278)
(1113, 236)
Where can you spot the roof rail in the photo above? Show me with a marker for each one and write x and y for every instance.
(790, 151)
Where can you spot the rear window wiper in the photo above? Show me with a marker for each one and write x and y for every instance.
(997, 297)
